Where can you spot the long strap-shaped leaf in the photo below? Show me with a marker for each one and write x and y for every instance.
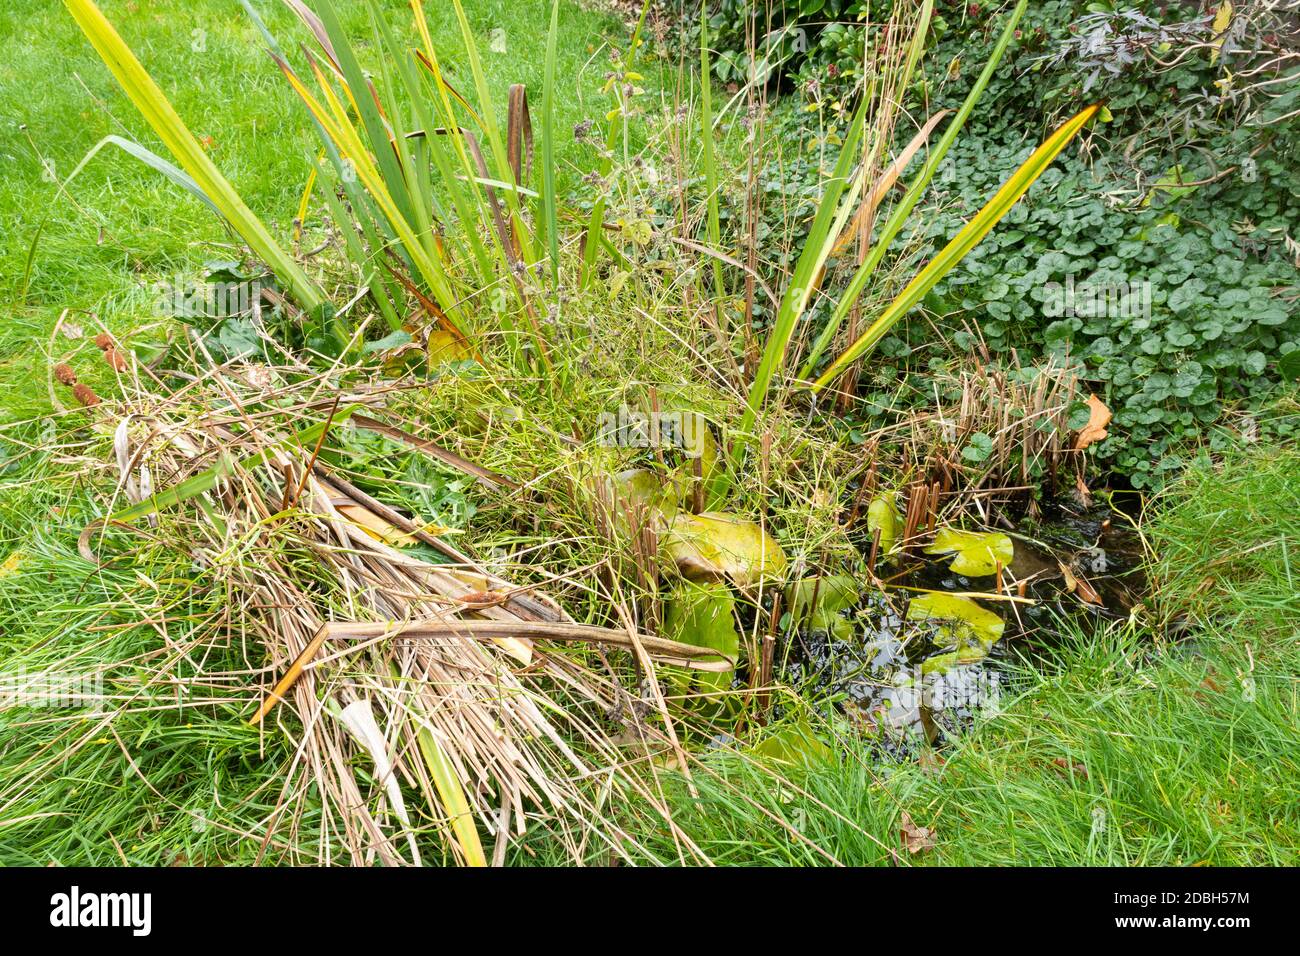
(828, 223)
(452, 797)
(157, 110)
(150, 159)
(903, 208)
(871, 202)
(962, 243)
(712, 222)
(550, 210)
(832, 214)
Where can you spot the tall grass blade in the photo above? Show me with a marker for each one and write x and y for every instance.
(162, 117)
(904, 207)
(550, 215)
(871, 202)
(154, 162)
(596, 224)
(492, 130)
(713, 228)
(961, 244)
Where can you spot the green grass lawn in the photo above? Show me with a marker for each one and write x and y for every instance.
(1129, 747)
(121, 227)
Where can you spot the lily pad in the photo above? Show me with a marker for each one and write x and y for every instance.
(795, 743)
(817, 602)
(644, 487)
(976, 553)
(943, 663)
(714, 545)
(704, 615)
(883, 517)
(962, 622)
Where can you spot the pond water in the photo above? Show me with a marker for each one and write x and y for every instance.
(1072, 569)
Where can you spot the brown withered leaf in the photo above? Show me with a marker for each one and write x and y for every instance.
(1081, 489)
(1078, 585)
(481, 599)
(1099, 417)
(915, 838)
(1208, 685)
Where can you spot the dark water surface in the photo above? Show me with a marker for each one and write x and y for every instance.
(871, 670)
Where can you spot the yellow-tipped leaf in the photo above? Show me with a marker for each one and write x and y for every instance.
(962, 243)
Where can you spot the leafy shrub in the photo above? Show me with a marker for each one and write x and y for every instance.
(1174, 311)
(1183, 293)
(1162, 259)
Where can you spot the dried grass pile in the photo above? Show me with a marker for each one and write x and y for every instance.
(436, 711)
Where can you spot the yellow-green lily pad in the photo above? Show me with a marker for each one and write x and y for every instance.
(943, 663)
(817, 602)
(976, 553)
(962, 622)
(644, 487)
(714, 545)
(703, 615)
(795, 743)
(883, 517)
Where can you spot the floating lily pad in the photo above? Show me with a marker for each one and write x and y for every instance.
(962, 622)
(883, 517)
(715, 545)
(795, 743)
(817, 602)
(976, 553)
(943, 663)
(704, 615)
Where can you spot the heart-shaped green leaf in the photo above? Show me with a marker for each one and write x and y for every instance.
(714, 545)
(962, 622)
(817, 602)
(976, 553)
(882, 516)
